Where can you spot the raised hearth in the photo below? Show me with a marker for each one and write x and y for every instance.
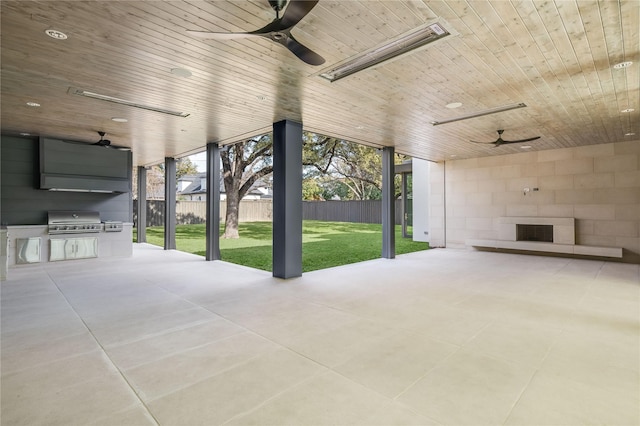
(544, 234)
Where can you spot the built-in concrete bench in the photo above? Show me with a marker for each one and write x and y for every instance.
(548, 247)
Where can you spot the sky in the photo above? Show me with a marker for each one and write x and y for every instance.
(200, 160)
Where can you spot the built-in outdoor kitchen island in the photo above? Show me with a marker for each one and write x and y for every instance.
(70, 235)
(63, 201)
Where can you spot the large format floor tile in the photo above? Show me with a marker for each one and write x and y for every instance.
(436, 337)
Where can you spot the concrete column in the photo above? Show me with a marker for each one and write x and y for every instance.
(287, 199)
(213, 202)
(405, 202)
(169, 203)
(388, 204)
(421, 200)
(141, 230)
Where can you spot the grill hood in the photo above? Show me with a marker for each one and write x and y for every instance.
(82, 167)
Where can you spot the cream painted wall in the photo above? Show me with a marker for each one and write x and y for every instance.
(598, 185)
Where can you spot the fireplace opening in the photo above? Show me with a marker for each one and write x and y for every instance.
(542, 233)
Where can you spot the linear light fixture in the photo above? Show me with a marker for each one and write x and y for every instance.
(481, 113)
(93, 95)
(401, 45)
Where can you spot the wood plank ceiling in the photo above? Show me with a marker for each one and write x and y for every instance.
(555, 56)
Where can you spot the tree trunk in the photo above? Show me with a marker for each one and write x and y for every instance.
(231, 217)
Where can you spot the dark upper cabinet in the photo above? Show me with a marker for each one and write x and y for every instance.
(73, 166)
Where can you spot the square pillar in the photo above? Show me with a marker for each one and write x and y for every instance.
(169, 203)
(141, 230)
(287, 199)
(388, 204)
(213, 202)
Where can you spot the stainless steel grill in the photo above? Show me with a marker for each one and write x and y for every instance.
(73, 222)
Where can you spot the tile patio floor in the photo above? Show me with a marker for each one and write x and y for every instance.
(438, 337)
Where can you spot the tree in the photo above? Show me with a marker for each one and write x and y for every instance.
(155, 182)
(350, 171)
(243, 164)
(184, 166)
(332, 168)
(155, 177)
(311, 190)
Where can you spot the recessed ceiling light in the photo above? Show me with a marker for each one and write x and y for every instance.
(360, 127)
(261, 98)
(453, 105)
(623, 65)
(525, 147)
(628, 110)
(25, 134)
(181, 72)
(119, 119)
(453, 156)
(58, 35)
(33, 104)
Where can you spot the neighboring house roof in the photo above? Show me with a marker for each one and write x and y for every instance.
(197, 185)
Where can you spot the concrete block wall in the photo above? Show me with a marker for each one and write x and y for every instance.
(598, 185)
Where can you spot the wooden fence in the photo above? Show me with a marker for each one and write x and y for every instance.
(192, 212)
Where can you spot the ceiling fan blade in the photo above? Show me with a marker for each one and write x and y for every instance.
(484, 143)
(295, 11)
(221, 36)
(304, 53)
(521, 140)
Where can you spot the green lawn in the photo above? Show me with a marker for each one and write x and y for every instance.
(324, 244)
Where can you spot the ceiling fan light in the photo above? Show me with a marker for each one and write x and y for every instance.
(393, 49)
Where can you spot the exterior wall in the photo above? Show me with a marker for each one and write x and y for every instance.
(598, 185)
(22, 203)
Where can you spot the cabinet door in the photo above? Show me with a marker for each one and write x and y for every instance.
(73, 248)
(28, 250)
(57, 249)
(86, 247)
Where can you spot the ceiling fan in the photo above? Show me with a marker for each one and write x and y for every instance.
(107, 143)
(279, 30)
(501, 141)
